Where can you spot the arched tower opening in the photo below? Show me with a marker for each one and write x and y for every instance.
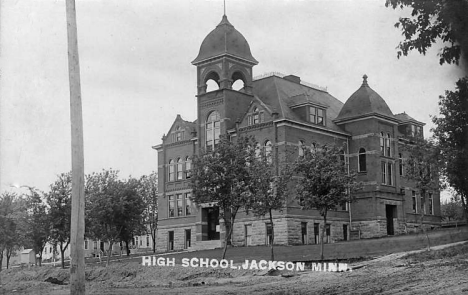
(238, 81)
(212, 81)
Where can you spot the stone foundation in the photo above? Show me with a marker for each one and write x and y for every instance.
(162, 241)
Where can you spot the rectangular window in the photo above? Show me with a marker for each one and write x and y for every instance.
(171, 206)
(316, 233)
(413, 130)
(188, 238)
(170, 241)
(269, 234)
(400, 164)
(423, 208)
(147, 241)
(390, 173)
(188, 204)
(304, 232)
(180, 170)
(431, 205)
(249, 120)
(188, 168)
(415, 205)
(86, 244)
(95, 246)
(178, 136)
(317, 116)
(180, 207)
(256, 118)
(384, 173)
(171, 171)
(328, 233)
(320, 120)
(313, 115)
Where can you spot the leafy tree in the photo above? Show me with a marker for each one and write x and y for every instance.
(59, 201)
(422, 160)
(325, 182)
(451, 132)
(12, 217)
(433, 20)
(112, 204)
(452, 210)
(134, 221)
(37, 222)
(268, 189)
(149, 193)
(222, 176)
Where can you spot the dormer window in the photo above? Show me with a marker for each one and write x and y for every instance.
(317, 116)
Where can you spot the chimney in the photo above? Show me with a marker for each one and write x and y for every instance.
(293, 78)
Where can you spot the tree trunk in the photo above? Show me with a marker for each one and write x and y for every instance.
(323, 235)
(228, 236)
(8, 256)
(153, 236)
(1, 259)
(465, 207)
(421, 224)
(272, 237)
(126, 247)
(62, 255)
(109, 253)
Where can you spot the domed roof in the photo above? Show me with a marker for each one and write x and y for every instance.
(224, 39)
(365, 101)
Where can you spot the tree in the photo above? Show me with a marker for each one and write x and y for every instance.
(325, 182)
(451, 132)
(269, 188)
(37, 223)
(222, 176)
(433, 20)
(12, 217)
(59, 201)
(422, 160)
(149, 193)
(452, 210)
(112, 205)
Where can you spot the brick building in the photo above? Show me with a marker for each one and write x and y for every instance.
(285, 113)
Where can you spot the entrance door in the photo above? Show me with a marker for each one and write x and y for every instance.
(213, 223)
(390, 212)
(248, 234)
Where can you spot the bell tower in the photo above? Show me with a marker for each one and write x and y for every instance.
(224, 58)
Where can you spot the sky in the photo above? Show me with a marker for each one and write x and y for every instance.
(136, 72)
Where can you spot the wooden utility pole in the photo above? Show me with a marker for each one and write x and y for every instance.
(77, 265)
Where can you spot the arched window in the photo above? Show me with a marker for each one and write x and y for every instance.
(180, 169)
(212, 126)
(268, 148)
(301, 148)
(400, 163)
(188, 167)
(171, 170)
(362, 160)
(313, 147)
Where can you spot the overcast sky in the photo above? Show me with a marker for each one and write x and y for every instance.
(136, 72)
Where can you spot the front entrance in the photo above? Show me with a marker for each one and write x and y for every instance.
(390, 212)
(210, 227)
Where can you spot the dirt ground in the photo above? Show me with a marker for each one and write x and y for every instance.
(434, 272)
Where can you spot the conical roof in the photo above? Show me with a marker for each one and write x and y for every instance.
(365, 101)
(224, 40)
